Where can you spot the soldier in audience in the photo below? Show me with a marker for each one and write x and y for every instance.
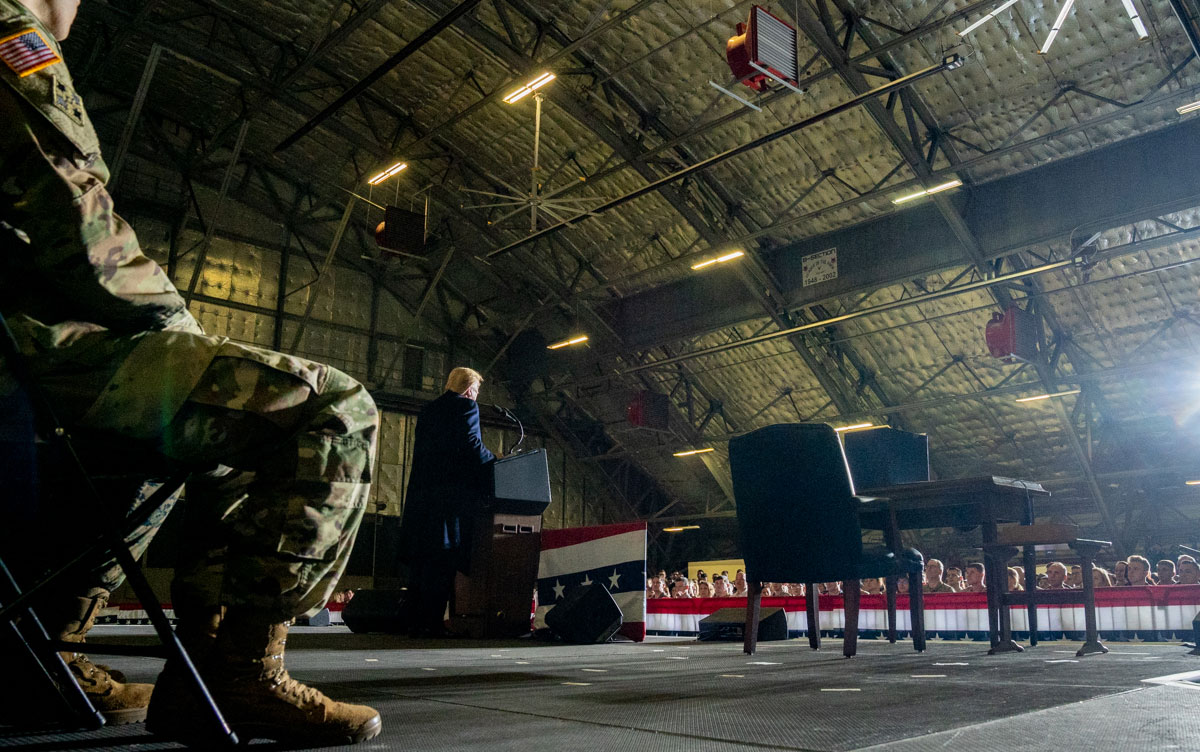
(1137, 568)
(954, 578)
(1056, 576)
(1166, 572)
(975, 579)
(933, 578)
(721, 587)
(1014, 580)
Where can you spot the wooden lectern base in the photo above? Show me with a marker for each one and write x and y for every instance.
(495, 598)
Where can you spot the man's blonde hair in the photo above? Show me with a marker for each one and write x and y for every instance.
(461, 379)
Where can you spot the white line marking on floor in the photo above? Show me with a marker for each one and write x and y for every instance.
(429, 669)
(732, 676)
(372, 660)
(676, 657)
(927, 676)
(577, 684)
(840, 689)
(952, 664)
(595, 670)
(659, 650)
(763, 663)
(1185, 679)
(1063, 660)
(522, 663)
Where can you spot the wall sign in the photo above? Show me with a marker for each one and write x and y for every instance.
(819, 267)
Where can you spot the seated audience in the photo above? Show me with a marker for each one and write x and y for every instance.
(679, 588)
(902, 586)
(1189, 572)
(1101, 577)
(933, 578)
(1056, 576)
(954, 578)
(1166, 572)
(975, 578)
(704, 589)
(1137, 569)
(1075, 577)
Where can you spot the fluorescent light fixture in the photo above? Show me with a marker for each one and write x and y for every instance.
(719, 259)
(1058, 22)
(987, 18)
(568, 342)
(928, 191)
(1189, 107)
(1137, 20)
(854, 427)
(387, 173)
(529, 88)
(680, 528)
(1048, 396)
(690, 452)
(1192, 483)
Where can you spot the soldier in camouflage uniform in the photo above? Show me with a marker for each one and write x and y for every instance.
(111, 341)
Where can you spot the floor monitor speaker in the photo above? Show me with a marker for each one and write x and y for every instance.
(376, 611)
(729, 624)
(589, 615)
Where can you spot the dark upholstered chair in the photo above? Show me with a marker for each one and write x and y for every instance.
(798, 518)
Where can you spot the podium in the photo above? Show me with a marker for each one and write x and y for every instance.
(494, 598)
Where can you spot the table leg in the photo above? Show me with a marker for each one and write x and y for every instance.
(999, 629)
(891, 607)
(1092, 645)
(850, 599)
(812, 602)
(916, 611)
(753, 609)
(1029, 559)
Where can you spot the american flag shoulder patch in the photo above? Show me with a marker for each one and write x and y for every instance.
(27, 52)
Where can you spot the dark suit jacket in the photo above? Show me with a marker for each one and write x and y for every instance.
(447, 477)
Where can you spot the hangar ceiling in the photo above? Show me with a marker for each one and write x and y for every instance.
(1080, 201)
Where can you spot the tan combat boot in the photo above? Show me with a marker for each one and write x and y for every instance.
(246, 676)
(69, 619)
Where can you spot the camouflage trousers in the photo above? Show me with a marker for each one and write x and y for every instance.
(283, 448)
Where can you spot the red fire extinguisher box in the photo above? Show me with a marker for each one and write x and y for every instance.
(1014, 335)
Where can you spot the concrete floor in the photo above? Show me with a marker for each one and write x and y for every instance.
(675, 694)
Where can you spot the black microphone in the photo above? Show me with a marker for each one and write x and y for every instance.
(520, 426)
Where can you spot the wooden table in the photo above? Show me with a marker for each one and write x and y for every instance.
(963, 503)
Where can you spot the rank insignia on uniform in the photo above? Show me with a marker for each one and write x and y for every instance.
(27, 52)
(67, 100)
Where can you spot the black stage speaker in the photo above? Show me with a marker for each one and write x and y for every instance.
(729, 624)
(589, 615)
(376, 611)
(402, 232)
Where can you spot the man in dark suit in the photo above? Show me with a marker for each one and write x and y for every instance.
(445, 485)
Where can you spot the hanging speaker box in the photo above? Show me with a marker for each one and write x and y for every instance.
(401, 232)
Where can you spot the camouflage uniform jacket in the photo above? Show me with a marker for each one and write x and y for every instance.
(69, 265)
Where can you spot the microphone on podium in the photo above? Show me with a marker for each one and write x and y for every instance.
(509, 414)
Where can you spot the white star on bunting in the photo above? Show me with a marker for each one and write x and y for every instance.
(612, 581)
(558, 589)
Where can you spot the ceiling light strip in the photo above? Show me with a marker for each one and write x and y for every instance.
(928, 191)
(1058, 22)
(854, 427)
(387, 173)
(1048, 396)
(1189, 107)
(987, 18)
(690, 452)
(568, 342)
(1137, 19)
(529, 88)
